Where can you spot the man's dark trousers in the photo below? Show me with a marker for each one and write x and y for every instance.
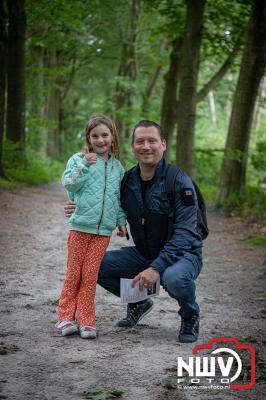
(177, 280)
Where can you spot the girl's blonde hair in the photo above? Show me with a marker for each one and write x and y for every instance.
(99, 119)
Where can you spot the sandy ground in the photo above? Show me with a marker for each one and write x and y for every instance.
(36, 363)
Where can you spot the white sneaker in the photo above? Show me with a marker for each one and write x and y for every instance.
(88, 331)
(67, 327)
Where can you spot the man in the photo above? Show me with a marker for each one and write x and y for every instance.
(176, 260)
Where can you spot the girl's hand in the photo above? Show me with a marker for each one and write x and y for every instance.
(69, 208)
(122, 231)
(91, 157)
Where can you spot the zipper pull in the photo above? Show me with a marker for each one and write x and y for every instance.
(142, 221)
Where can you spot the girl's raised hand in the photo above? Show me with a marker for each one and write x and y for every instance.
(91, 157)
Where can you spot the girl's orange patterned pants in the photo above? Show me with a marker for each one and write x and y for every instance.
(85, 253)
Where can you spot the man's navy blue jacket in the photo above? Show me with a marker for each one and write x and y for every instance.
(149, 222)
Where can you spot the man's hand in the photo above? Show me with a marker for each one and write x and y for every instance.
(91, 157)
(146, 278)
(122, 231)
(69, 208)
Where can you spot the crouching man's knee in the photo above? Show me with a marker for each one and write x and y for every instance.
(175, 283)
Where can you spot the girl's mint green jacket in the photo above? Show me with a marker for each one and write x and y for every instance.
(95, 188)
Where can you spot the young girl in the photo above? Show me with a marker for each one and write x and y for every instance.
(92, 179)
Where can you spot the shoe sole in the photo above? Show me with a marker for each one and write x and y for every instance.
(88, 335)
(143, 315)
(69, 331)
(188, 340)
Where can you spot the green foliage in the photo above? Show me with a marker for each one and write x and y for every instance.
(101, 393)
(251, 204)
(169, 382)
(31, 168)
(208, 163)
(258, 158)
(257, 240)
(209, 193)
(7, 184)
(224, 24)
(75, 47)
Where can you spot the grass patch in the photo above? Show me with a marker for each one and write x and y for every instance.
(249, 205)
(257, 240)
(31, 169)
(101, 393)
(6, 184)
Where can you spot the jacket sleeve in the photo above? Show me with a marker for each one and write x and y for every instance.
(184, 230)
(121, 216)
(71, 196)
(75, 174)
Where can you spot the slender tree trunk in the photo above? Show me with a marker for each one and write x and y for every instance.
(3, 55)
(16, 72)
(188, 86)
(169, 102)
(151, 83)
(61, 132)
(261, 99)
(218, 76)
(37, 100)
(212, 108)
(53, 137)
(52, 110)
(128, 71)
(233, 171)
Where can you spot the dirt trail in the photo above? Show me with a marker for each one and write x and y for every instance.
(38, 364)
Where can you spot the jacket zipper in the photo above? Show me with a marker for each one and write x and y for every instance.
(105, 179)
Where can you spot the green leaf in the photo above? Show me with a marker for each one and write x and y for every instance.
(100, 393)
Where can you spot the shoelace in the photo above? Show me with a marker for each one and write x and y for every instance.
(131, 312)
(189, 325)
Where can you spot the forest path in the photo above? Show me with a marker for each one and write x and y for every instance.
(38, 364)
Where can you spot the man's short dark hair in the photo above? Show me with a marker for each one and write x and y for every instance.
(147, 124)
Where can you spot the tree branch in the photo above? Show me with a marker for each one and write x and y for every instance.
(213, 82)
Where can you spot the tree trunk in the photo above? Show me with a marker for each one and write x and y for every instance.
(16, 72)
(188, 86)
(151, 83)
(3, 55)
(38, 100)
(128, 71)
(261, 100)
(169, 102)
(233, 171)
(212, 108)
(218, 76)
(53, 135)
(52, 110)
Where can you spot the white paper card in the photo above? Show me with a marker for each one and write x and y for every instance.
(129, 294)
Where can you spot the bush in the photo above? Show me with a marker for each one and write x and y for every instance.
(251, 204)
(32, 168)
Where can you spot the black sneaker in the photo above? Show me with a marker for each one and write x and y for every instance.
(135, 312)
(189, 330)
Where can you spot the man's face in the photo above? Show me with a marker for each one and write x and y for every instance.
(148, 146)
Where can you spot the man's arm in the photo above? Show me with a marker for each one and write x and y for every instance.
(185, 237)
